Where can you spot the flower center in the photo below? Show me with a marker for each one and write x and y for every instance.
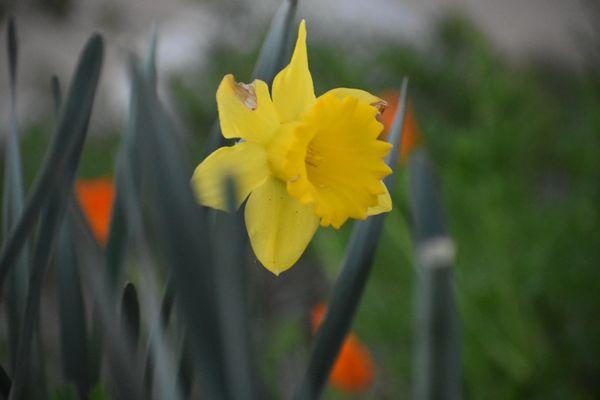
(332, 158)
(312, 157)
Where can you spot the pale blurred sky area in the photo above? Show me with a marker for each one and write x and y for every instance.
(52, 32)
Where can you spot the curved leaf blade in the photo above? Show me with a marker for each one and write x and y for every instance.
(180, 229)
(437, 362)
(67, 141)
(71, 307)
(230, 249)
(12, 203)
(130, 313)
(71, 132)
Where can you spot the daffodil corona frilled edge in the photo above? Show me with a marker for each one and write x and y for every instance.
(301, 160)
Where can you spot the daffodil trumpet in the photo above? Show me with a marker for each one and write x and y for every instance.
(301, 161)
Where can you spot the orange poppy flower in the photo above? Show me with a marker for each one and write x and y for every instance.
(412, 137)
(354, 369)
(96, 197)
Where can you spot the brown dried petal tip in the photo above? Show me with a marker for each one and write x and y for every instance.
(247, 94)
(381, 106)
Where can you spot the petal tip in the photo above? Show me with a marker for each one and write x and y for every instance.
(302, 27)
(275, 268)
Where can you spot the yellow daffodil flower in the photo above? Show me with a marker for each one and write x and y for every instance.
(302, 160)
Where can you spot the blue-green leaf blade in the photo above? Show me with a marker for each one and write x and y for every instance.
(231, 280)
(181, 230)
(118, 234)
(56, 94)
(276, 48)
(5, 384)
(437, 361)
(72, 316)
(70, 135)
(67, 141)
(130, 313)
(12, 202)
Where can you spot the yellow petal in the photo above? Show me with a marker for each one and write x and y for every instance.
(293, 90)
(279, 226)
(363, 95)
(245, 162)
(384, 203)
(279, 147)
(246, 111)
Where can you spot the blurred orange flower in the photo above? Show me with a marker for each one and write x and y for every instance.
(412, 137)
(96, 197)
(354, 369)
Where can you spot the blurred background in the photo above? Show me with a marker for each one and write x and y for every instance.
(506, 97)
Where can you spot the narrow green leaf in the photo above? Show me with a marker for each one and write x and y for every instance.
(56, 94)
(11, 38)
(50, 222)
(437, 366)
(180, 229)
(166, 306)
(185, 372)
(122, 365)
(351, 282)
(117, 242)
(79, 222)
(12, 204)
(130, 313)
(71, 307)
(78, 108)
(5, 384)
(274, 55)
(231, 280)
(150, 67)
(160, 360)
(118, 234)
(276, 49)
(39, 382)
(67, 141)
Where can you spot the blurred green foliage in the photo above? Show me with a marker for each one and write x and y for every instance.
(97, 159)
(517, 151)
